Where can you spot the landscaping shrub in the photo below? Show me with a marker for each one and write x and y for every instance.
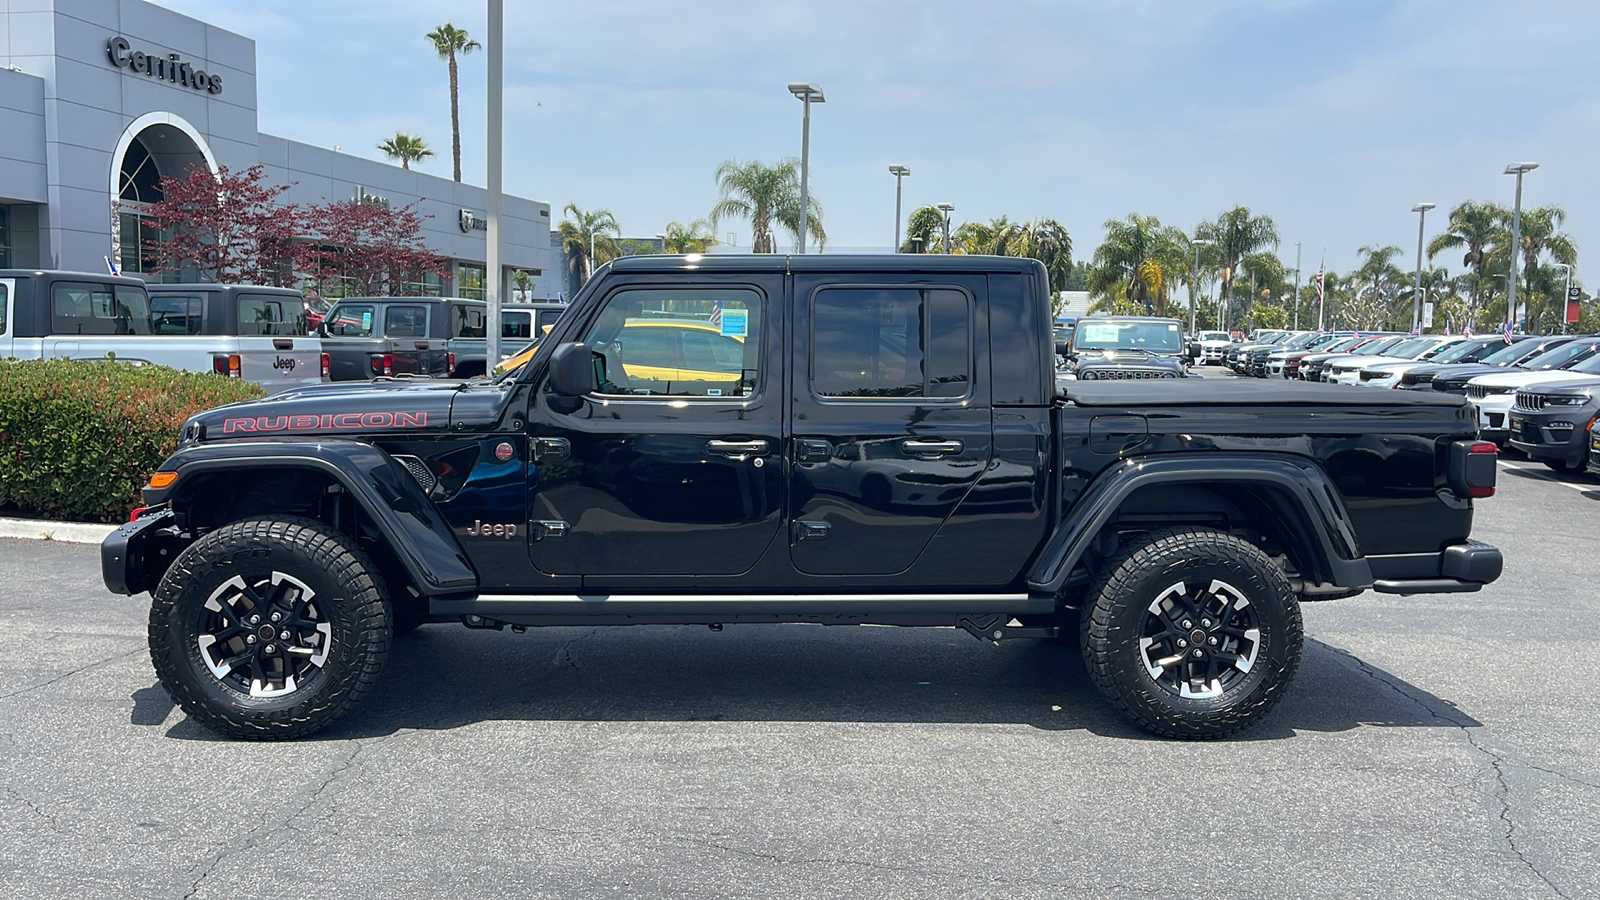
(78, 439)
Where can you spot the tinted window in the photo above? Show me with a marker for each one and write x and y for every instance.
(259, 315)
(468, 322)
(98, 309)
(516, 325)
(350, 321)
(678, 343)
(173, 314)
(405, 321)
(893, 342)
(1559, 356)
(3, 304)
(1156, 337)
(547, 318)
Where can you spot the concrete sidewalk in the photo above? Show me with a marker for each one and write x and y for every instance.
(46, 530)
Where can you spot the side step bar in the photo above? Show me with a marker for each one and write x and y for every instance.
(701, 606)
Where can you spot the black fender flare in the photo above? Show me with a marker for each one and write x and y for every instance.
(1314, 512)
(413, 527)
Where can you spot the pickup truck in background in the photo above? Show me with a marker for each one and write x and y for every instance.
(237, 331)
(1171, 527)
(520, 325)
(374, 337)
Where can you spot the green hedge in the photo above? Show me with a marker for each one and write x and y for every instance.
(79, 439)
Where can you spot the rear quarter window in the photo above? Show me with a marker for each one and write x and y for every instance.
(84, 308)
(469, 322)
(175, 314)
(405, 321)
(269, 315)
(350, 321)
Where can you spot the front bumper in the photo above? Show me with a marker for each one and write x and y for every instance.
(134, 557)
(1594, 450)
(1460, 568)
(1552, 436)
(1493, 412)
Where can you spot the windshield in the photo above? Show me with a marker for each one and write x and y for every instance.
(1154, 337)
(1560, 356)
(1466, 350)
(1301, 341)
(1214, 336)
(1590, 366)
(1342, 345)
(1517, 352)
(1413, 349)
(1376, 347)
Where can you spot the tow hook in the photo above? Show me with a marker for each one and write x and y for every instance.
(481, 622)
(996, 628)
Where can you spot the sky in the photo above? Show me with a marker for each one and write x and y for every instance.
(1334, 117)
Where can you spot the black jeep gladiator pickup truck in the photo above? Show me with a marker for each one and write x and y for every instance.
(824, 439)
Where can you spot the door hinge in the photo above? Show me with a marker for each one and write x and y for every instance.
(551, 448)
(550, 529)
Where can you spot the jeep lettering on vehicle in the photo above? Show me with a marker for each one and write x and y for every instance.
(339, 421)
(481, 528)
(285, 363)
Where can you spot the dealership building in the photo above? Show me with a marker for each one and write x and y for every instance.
(100, 99)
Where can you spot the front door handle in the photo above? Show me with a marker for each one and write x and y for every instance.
(737, 449)
(930, 448)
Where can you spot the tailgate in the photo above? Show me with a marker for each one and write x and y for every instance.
(281, 363)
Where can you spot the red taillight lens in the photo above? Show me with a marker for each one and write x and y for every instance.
(327, 366)
(1473, 468)
(219, 365)
(388, 364)
(450, 363)
(383, 364)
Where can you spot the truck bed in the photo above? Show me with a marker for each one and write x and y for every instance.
(1231, 392)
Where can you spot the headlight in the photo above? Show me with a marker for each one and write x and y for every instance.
(1086, 376)
(1566, 401)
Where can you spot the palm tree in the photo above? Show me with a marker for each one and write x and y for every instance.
(1049, 242)
(579, 231)
(405, 147)
(450, 41)
(1135, 262)
(1378, 272)
(1475, 227)
(924, 228)
(766, 195)
(695, 237)
(992, 238)
(1237, 234)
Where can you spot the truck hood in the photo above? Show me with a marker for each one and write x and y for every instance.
(348, 408)
(1523, 377)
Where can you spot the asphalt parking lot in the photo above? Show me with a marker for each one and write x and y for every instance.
(1434, 746)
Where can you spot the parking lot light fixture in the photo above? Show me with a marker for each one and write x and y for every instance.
(899, 173)
(1519, 170)
(1416, 302)
(808, 94)
(947, 209)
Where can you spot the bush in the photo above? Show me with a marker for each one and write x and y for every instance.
(78, 439)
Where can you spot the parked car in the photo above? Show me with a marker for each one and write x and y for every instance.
(1594, 448)
(1317, 368)
(1422, 348)
(1174, 527)
(374, 337)
(1467, 350)
(236, 331)
(1285, 362)
(1452, 378)
(1208, 347)
(1236, 356)
(1550, 420)
(1126, 347)
(1492, 395)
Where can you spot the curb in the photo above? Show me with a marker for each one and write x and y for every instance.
(45, 530)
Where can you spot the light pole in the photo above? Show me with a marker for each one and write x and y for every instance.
(491, 257)
(1193, 306)
(1565, 297)
(899, 172)
(808, 94)
(1416, 302)
(1519, 170)
(947, 209)
(1296, 298)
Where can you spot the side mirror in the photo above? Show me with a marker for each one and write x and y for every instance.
(1061, 348)
(1194, 349)
(572, 371)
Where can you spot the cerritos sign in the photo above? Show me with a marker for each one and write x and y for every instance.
(165, 68)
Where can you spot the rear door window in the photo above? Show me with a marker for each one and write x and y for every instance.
(891, 342)
(517, 325)
(261, 314)
(469, 322)
(405, 321)
(83, 308)
(350, 321)
(175, 314)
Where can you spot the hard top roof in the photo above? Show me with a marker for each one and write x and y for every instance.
(207, 286)
(75, 276)
(822, 262)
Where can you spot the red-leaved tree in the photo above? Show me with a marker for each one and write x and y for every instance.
(227, 227)
(370, 249)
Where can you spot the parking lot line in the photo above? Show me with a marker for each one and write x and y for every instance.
(1538, 472)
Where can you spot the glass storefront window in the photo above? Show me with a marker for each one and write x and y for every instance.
(472, 284)
(5, 238)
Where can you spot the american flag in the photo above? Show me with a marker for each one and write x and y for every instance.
(1320, 273)
(1466, 331)
(1505, 335)
(716, 314)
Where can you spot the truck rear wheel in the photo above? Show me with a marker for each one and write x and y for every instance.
(267, 629)
(1193, 634)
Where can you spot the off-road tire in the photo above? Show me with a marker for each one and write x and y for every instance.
(1119, 617)
(347, 595)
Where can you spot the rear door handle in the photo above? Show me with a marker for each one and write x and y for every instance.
(930, 448)
(737, 449)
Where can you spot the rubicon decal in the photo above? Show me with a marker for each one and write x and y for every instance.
(337, 422)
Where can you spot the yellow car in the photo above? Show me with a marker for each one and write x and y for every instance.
(661, 355)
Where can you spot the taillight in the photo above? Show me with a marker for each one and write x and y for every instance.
(233, 366)
(382, 364)
(226, 366)
(1473, 468)
(327, 366)
(450, 363)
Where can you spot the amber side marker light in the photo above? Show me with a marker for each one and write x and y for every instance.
(162, 479)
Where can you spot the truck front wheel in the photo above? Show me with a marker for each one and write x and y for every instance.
(268, 629)
(1192, 634)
